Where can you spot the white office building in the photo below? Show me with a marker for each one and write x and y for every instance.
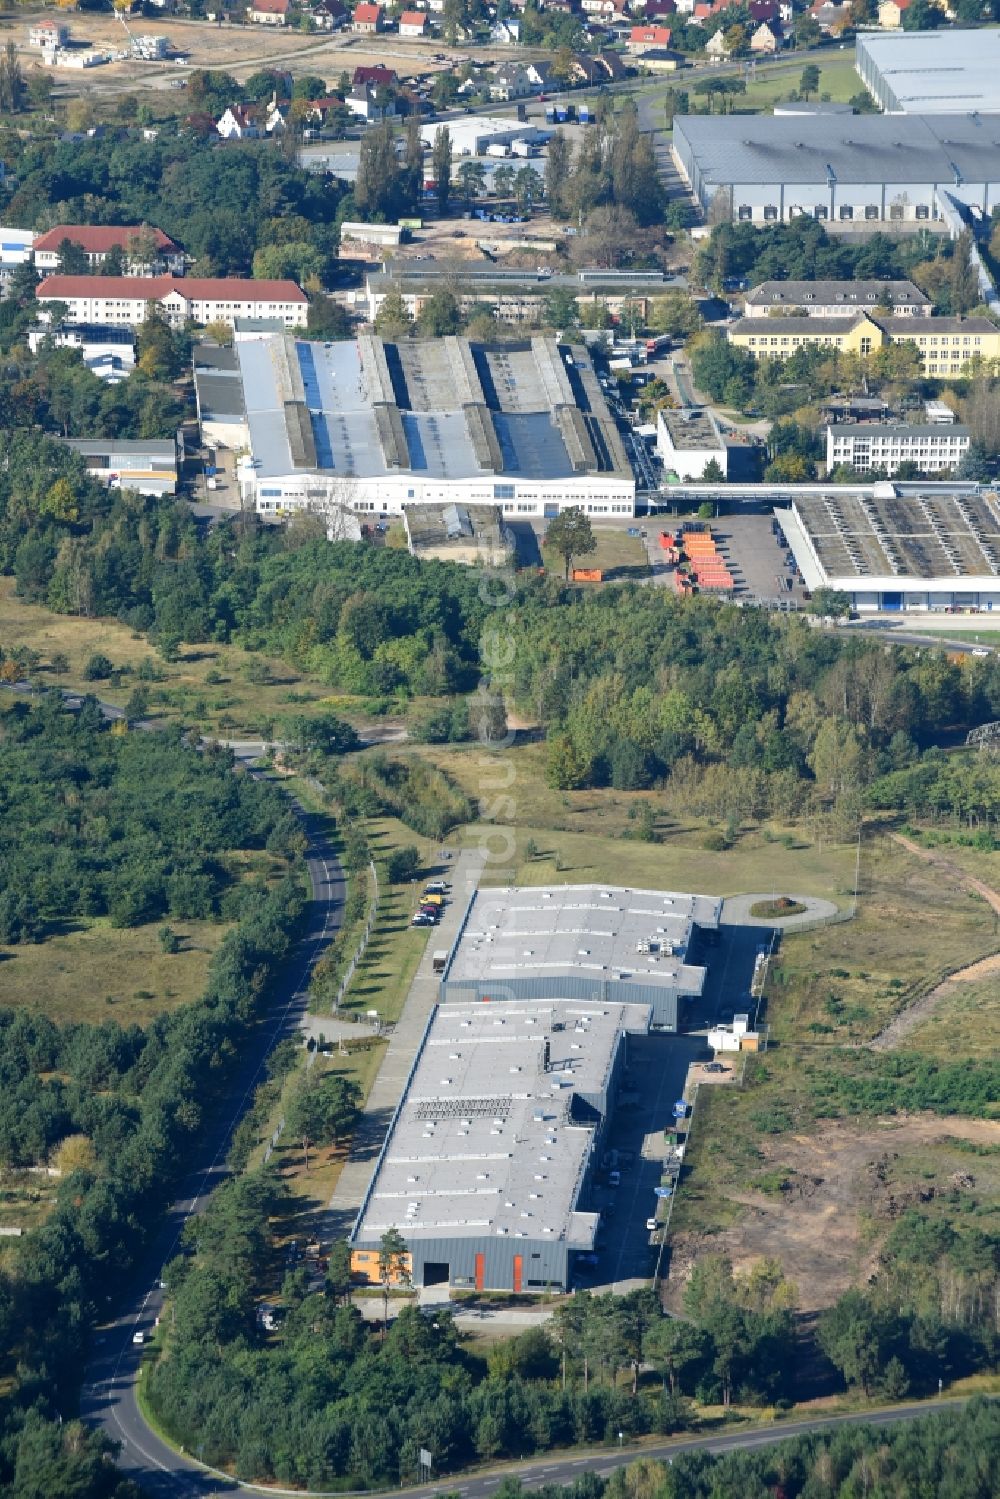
(935, 448)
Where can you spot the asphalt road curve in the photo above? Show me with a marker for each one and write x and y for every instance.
(108, 1398)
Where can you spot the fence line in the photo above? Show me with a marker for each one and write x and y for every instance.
(362, 946)
(664, 1229)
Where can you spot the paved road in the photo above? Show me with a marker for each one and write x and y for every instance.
(181, 1477)
(108, 1399)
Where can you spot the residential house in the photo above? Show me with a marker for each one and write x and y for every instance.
(766, 40)
(240, 122)
(330, 15)
(604, 10)
(98, 240)
(716, 46)
(642, 37)
(659, 60)
(374, 75)
(371, 104)
(540, 75)
(268, 12)
(414, 23)
(890, 13)
(275, 117)
(49, 34)
(656, 10)
(506, 33)
(764, 12)
(318, 112)
(830, 17)
(124, 300)
(367, 17)
(612, 65)
(510, 81)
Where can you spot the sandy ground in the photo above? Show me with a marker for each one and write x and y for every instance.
(903, 1025)
(240, 50)
(841, 1175)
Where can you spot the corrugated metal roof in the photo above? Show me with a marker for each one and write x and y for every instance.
(767, 149)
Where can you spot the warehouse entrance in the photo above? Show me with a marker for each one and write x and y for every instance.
(436, 1272)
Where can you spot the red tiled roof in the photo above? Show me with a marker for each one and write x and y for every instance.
(373, 73)
(98, 239)
(413, 18)
(658, 34)
(155, 288)
(271, 7)
(366, 13)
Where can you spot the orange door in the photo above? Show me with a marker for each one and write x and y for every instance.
(517, 1272)
(480, 1271)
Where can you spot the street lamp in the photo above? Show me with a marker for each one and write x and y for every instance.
(621, 1438)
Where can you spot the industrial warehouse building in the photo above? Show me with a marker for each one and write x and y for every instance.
(897, 547)
(592, 942)
(488, 1158)
(514, 296)
(371, 427)
(946, 71)
(149, 466)
(875, 169)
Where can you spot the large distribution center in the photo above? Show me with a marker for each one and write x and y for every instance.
(905, 546)
(488, 1158)
(373, 426)
(595, 942)
(848, 168)
(931, 72)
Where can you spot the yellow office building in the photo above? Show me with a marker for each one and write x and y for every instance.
(944, 344)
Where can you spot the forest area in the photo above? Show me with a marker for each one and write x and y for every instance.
(115, 1108)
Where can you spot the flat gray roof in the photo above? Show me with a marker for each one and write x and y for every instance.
(217, 381)
(933, 72)
(444, 408)
(765, 149)
(691, 428)
(589, 931)
(162, 448)
(485, 1139)
(898, 429)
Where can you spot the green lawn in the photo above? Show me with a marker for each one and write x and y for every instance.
(837, 77)
(95, 972)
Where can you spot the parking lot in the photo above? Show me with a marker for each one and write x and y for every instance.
(755, 558)
(626, 1251)
(657, 1068)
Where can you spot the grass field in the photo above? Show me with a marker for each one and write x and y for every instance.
(844, 983)
(209, 685)
(581, 836)
(311, 1188)
(838, 78)
(621, 558)
(966, 631)
(765, 1175)
(97, 972)
(383, 976)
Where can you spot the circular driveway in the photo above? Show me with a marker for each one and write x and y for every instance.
(736, 911)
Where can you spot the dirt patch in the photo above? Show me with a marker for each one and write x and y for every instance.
(903, 1025)
(833, 1192)
(990, 896)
